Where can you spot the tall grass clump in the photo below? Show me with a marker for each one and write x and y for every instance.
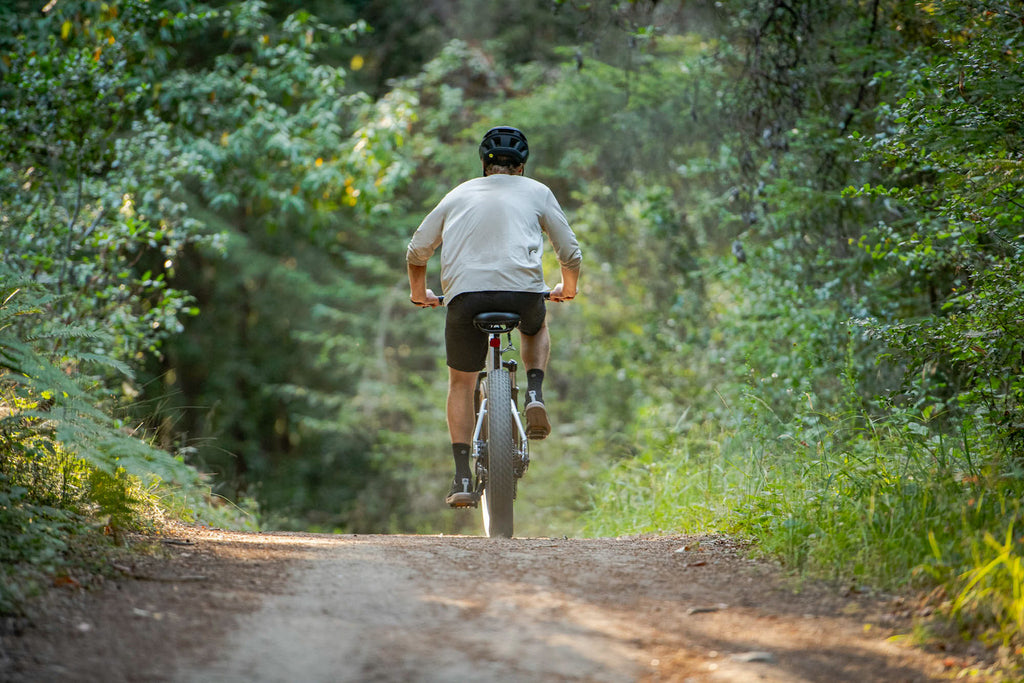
(679, 481)
(989, 596)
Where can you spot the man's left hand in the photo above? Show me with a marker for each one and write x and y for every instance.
(428, 300)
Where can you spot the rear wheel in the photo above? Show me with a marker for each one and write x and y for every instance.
(501, 484)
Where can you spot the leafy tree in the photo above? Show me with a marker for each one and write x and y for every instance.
(287, 174)
(71, 184)
(952, 147)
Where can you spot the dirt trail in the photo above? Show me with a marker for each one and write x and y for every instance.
(218, 606)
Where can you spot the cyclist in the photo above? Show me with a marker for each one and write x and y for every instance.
(491, 233)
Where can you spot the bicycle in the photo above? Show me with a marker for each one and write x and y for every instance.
(500, 449)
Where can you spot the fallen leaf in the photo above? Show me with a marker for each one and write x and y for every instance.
(66, 581)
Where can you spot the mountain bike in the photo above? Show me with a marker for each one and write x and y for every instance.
(500, 448)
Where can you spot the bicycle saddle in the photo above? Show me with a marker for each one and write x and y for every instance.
(496, 323)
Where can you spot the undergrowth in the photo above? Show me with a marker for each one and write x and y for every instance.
(866, 502)
(62, 519)
(73, 477)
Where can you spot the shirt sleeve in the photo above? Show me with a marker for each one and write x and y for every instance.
(427, 237)
(563, 239)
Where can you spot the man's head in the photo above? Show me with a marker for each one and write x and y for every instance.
(504, 150)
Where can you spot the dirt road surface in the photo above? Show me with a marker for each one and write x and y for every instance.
(208, 605)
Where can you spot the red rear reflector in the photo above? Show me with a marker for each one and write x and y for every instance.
(495, 342)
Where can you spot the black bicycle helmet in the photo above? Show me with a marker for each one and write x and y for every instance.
(504, 141)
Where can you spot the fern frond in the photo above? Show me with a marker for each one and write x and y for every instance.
(21, 302)
(107, 361)
(67, 332)
(73, 419)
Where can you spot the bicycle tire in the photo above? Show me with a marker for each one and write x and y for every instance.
(500, 491)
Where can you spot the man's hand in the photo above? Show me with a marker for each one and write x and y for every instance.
(562, 293)
(566, 289)
(418, 292)
(426, 300)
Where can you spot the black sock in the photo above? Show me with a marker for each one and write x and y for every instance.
(460, 451)
(534, 378)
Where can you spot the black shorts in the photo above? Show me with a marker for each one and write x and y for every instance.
(466, 346)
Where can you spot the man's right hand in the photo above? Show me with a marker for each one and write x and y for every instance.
(426, 300)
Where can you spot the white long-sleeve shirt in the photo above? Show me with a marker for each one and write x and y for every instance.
(491, 233)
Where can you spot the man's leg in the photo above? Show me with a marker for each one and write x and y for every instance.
(461, 386)
(536, 351)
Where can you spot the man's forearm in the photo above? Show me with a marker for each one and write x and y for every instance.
(417, 282)
(570, 281)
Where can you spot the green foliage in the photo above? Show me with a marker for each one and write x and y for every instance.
(68, 189)
(64, 461)
(34, 538)
(952, 147)
(861, 363)
(298, 180)
(46, 401)
(863, 502)
(680, 468)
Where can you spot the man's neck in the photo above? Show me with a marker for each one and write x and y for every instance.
(504, 170)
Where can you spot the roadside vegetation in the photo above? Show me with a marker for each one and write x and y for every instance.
(802, 317)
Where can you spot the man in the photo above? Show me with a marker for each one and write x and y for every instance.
(491, 233)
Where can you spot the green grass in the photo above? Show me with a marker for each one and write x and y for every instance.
(683, 484)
